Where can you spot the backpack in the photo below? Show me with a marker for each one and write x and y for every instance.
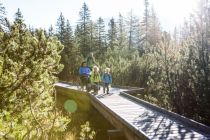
(109, 75)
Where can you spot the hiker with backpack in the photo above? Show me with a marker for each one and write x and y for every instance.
(84, 73)
(107, 80)
(95, 79)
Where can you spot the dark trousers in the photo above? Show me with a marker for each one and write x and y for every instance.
(84, 80)
(95, 87)
(106, 88)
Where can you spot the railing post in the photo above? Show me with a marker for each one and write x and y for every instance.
(115, 133)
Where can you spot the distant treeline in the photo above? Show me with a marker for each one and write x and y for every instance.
(174, 68)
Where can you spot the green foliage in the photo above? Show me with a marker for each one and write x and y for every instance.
(121, 33)
(19, 17)
(86, 132)
(2, 18)
(84, 33)
(133, 31)
(180, 76)
(70, 56)
(112, 34)
(28, 64)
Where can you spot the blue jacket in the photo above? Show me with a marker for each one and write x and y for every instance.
(107, 78)
(84, 71)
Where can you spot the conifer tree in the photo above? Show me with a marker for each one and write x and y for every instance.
(72, 55)
(112, 34)
(100, 40)
(60, 31)
(100, 28)
(77, 34)
(133, 30)
(93, 37)
(19, 17)
(154, 30)
(121, 32)
(28, 65)
(51, 31)
(84, 25)
(19, 20)
(69, 55)
(2, 16)
(145, 27)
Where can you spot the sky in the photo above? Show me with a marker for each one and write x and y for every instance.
(43, 13)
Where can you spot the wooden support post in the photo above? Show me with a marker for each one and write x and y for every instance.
(116, 134)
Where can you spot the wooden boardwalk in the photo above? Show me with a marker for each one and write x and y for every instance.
(140, 120)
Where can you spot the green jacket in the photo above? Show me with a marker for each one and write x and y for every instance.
(90, 62)
(95, 78)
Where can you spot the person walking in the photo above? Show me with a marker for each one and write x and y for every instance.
(95, 79)
(107, 80)
(84, 73)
